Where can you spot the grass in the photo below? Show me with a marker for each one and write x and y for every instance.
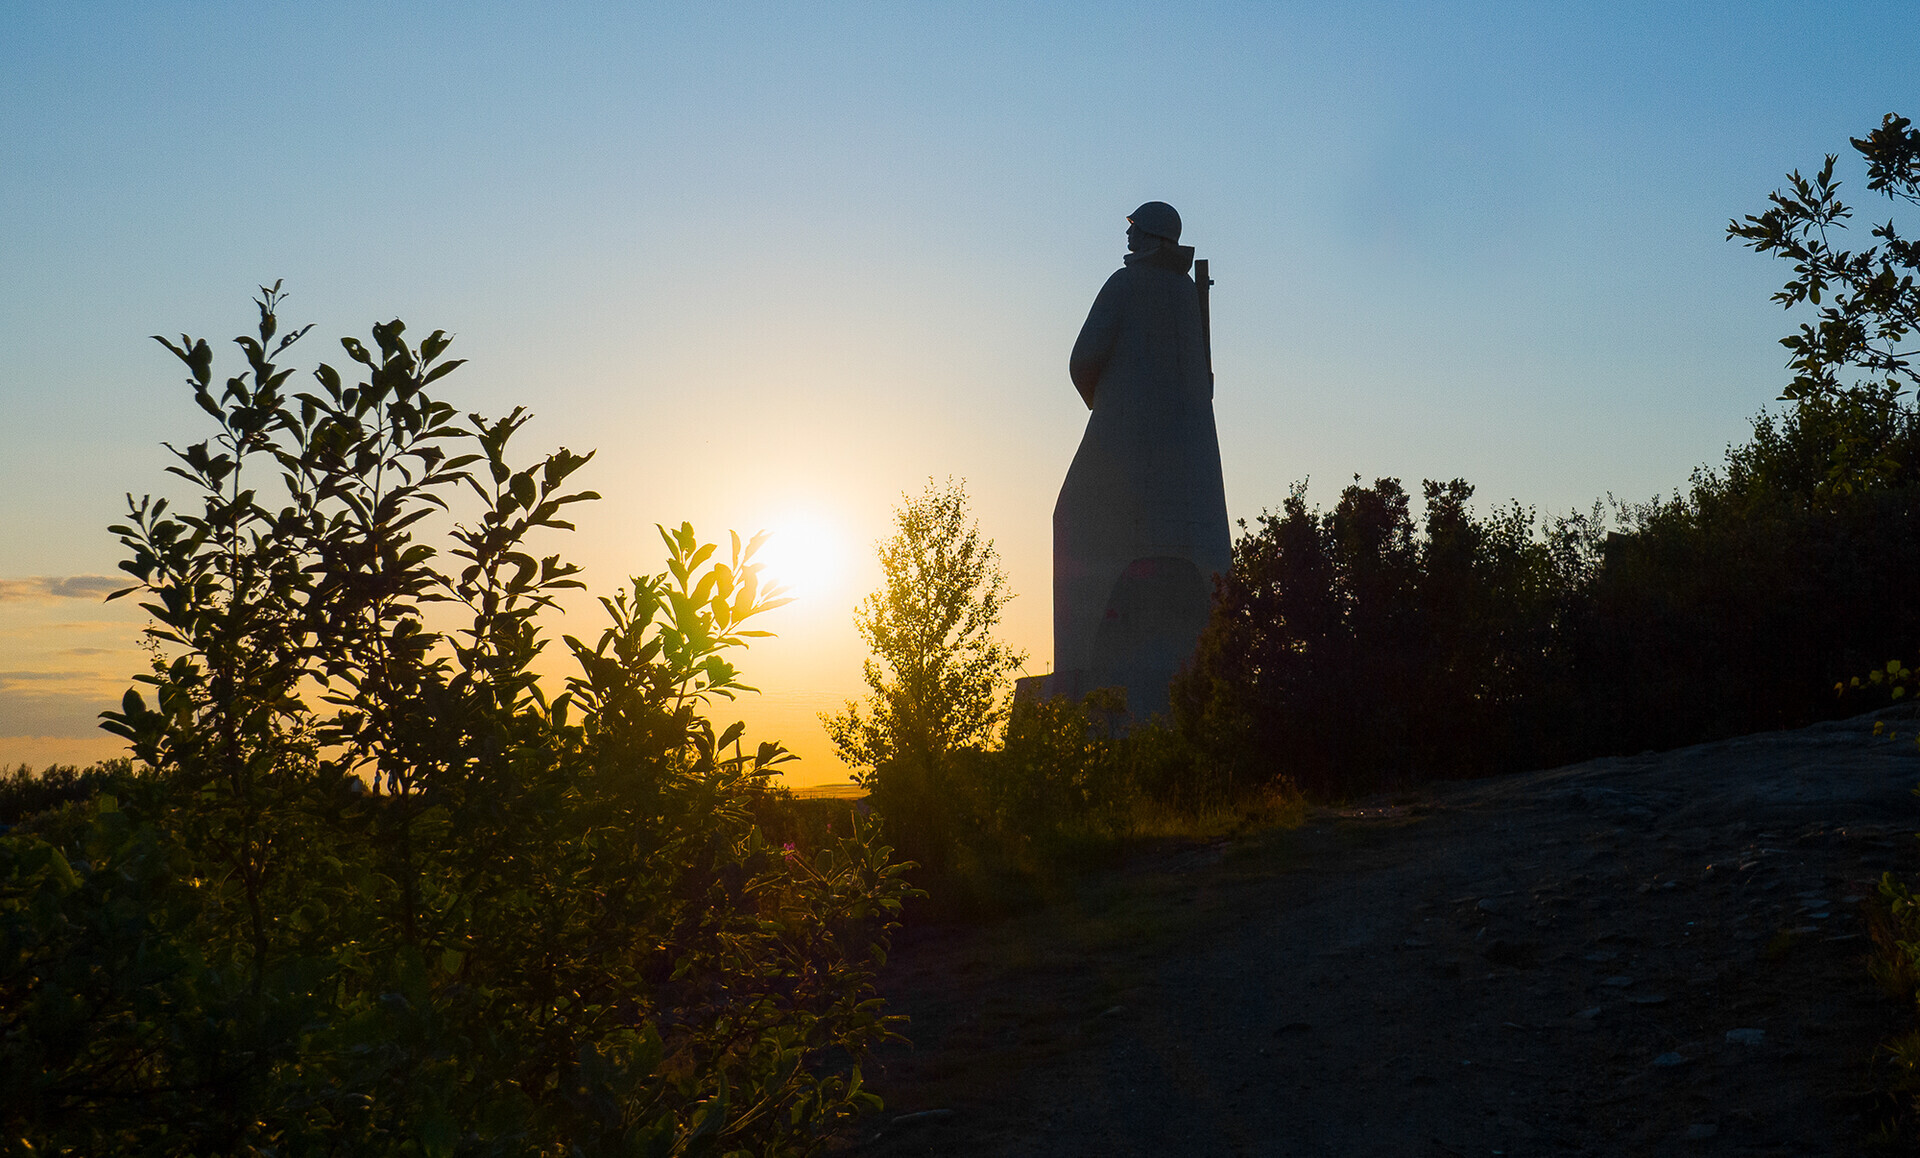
(1274, 806)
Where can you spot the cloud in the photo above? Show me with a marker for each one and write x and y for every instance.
(88, 651)
(36, 711)
(61, 587)
(8, 678)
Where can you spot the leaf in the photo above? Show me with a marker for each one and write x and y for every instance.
(63, 873)
(708, 1118)
(437, 1133)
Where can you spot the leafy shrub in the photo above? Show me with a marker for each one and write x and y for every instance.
(23, 793)
(1348, 649)
(1728, 612)
(1056, 773)
(378, 892)
(937, 676)
(938, 679)
(1346, 646)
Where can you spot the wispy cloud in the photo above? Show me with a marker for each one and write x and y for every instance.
(10, 679)
(61, 587)
(36, 709)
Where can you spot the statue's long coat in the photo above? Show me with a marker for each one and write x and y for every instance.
(1140, 528)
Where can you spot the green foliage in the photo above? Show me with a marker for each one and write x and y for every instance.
(1345, 646)
(937, 677)
(377, 892)
(1893, 924)
(938, 680)
(1349, 650)
(1868, 304)
(1058, 773)
(1862, 454)
(24, 793)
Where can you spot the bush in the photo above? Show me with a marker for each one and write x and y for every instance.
(994, 827)
(1349, 650)
(1346, 648)
(377, 891)
(1056, 774)
(22, 794)
(938, 679)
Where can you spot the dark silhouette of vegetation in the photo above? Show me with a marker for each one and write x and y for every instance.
(1350, 649)
(1346, 644)
(376, 890)
(992, 799)
(1853, 367)
(24, 793)
(1868, 303)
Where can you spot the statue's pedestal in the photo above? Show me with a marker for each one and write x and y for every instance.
(1076, 686)
(1033, 689)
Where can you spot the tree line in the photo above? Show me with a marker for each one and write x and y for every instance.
(1350, 648)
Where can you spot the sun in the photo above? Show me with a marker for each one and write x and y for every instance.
(804, 552)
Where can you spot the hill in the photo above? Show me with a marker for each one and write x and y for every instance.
(1657, 953)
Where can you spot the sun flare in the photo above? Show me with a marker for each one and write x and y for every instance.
(804, 553)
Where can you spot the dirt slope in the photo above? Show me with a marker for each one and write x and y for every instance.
(1658, 955)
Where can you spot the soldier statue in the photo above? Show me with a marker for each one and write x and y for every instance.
(1140, 528)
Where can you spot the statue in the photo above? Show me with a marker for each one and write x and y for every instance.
(1140, 528)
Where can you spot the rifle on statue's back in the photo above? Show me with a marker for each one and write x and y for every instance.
(1204, 284)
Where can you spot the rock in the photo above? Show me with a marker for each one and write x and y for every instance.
(1620, 982)
(1669, 1060)
(1701, 1131)
(1746, 1036)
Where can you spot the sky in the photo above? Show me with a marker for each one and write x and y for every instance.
(781, 264)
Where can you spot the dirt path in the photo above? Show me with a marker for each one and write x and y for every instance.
(1658, 955)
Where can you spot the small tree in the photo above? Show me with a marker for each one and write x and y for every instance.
(937, 675)
(1869, 303)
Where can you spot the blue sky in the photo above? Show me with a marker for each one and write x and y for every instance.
(780, 263)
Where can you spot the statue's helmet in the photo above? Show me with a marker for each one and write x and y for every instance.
(1157, 218)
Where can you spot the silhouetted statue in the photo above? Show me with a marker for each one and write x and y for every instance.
(1140, 528)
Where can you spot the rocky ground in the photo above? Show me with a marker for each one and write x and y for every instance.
(1662, 954)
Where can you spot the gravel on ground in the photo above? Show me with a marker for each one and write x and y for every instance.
(1660, 954)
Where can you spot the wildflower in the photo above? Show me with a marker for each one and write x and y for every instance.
(787, 850)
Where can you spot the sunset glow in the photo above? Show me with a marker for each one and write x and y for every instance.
(779, 267)
(807, 554)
